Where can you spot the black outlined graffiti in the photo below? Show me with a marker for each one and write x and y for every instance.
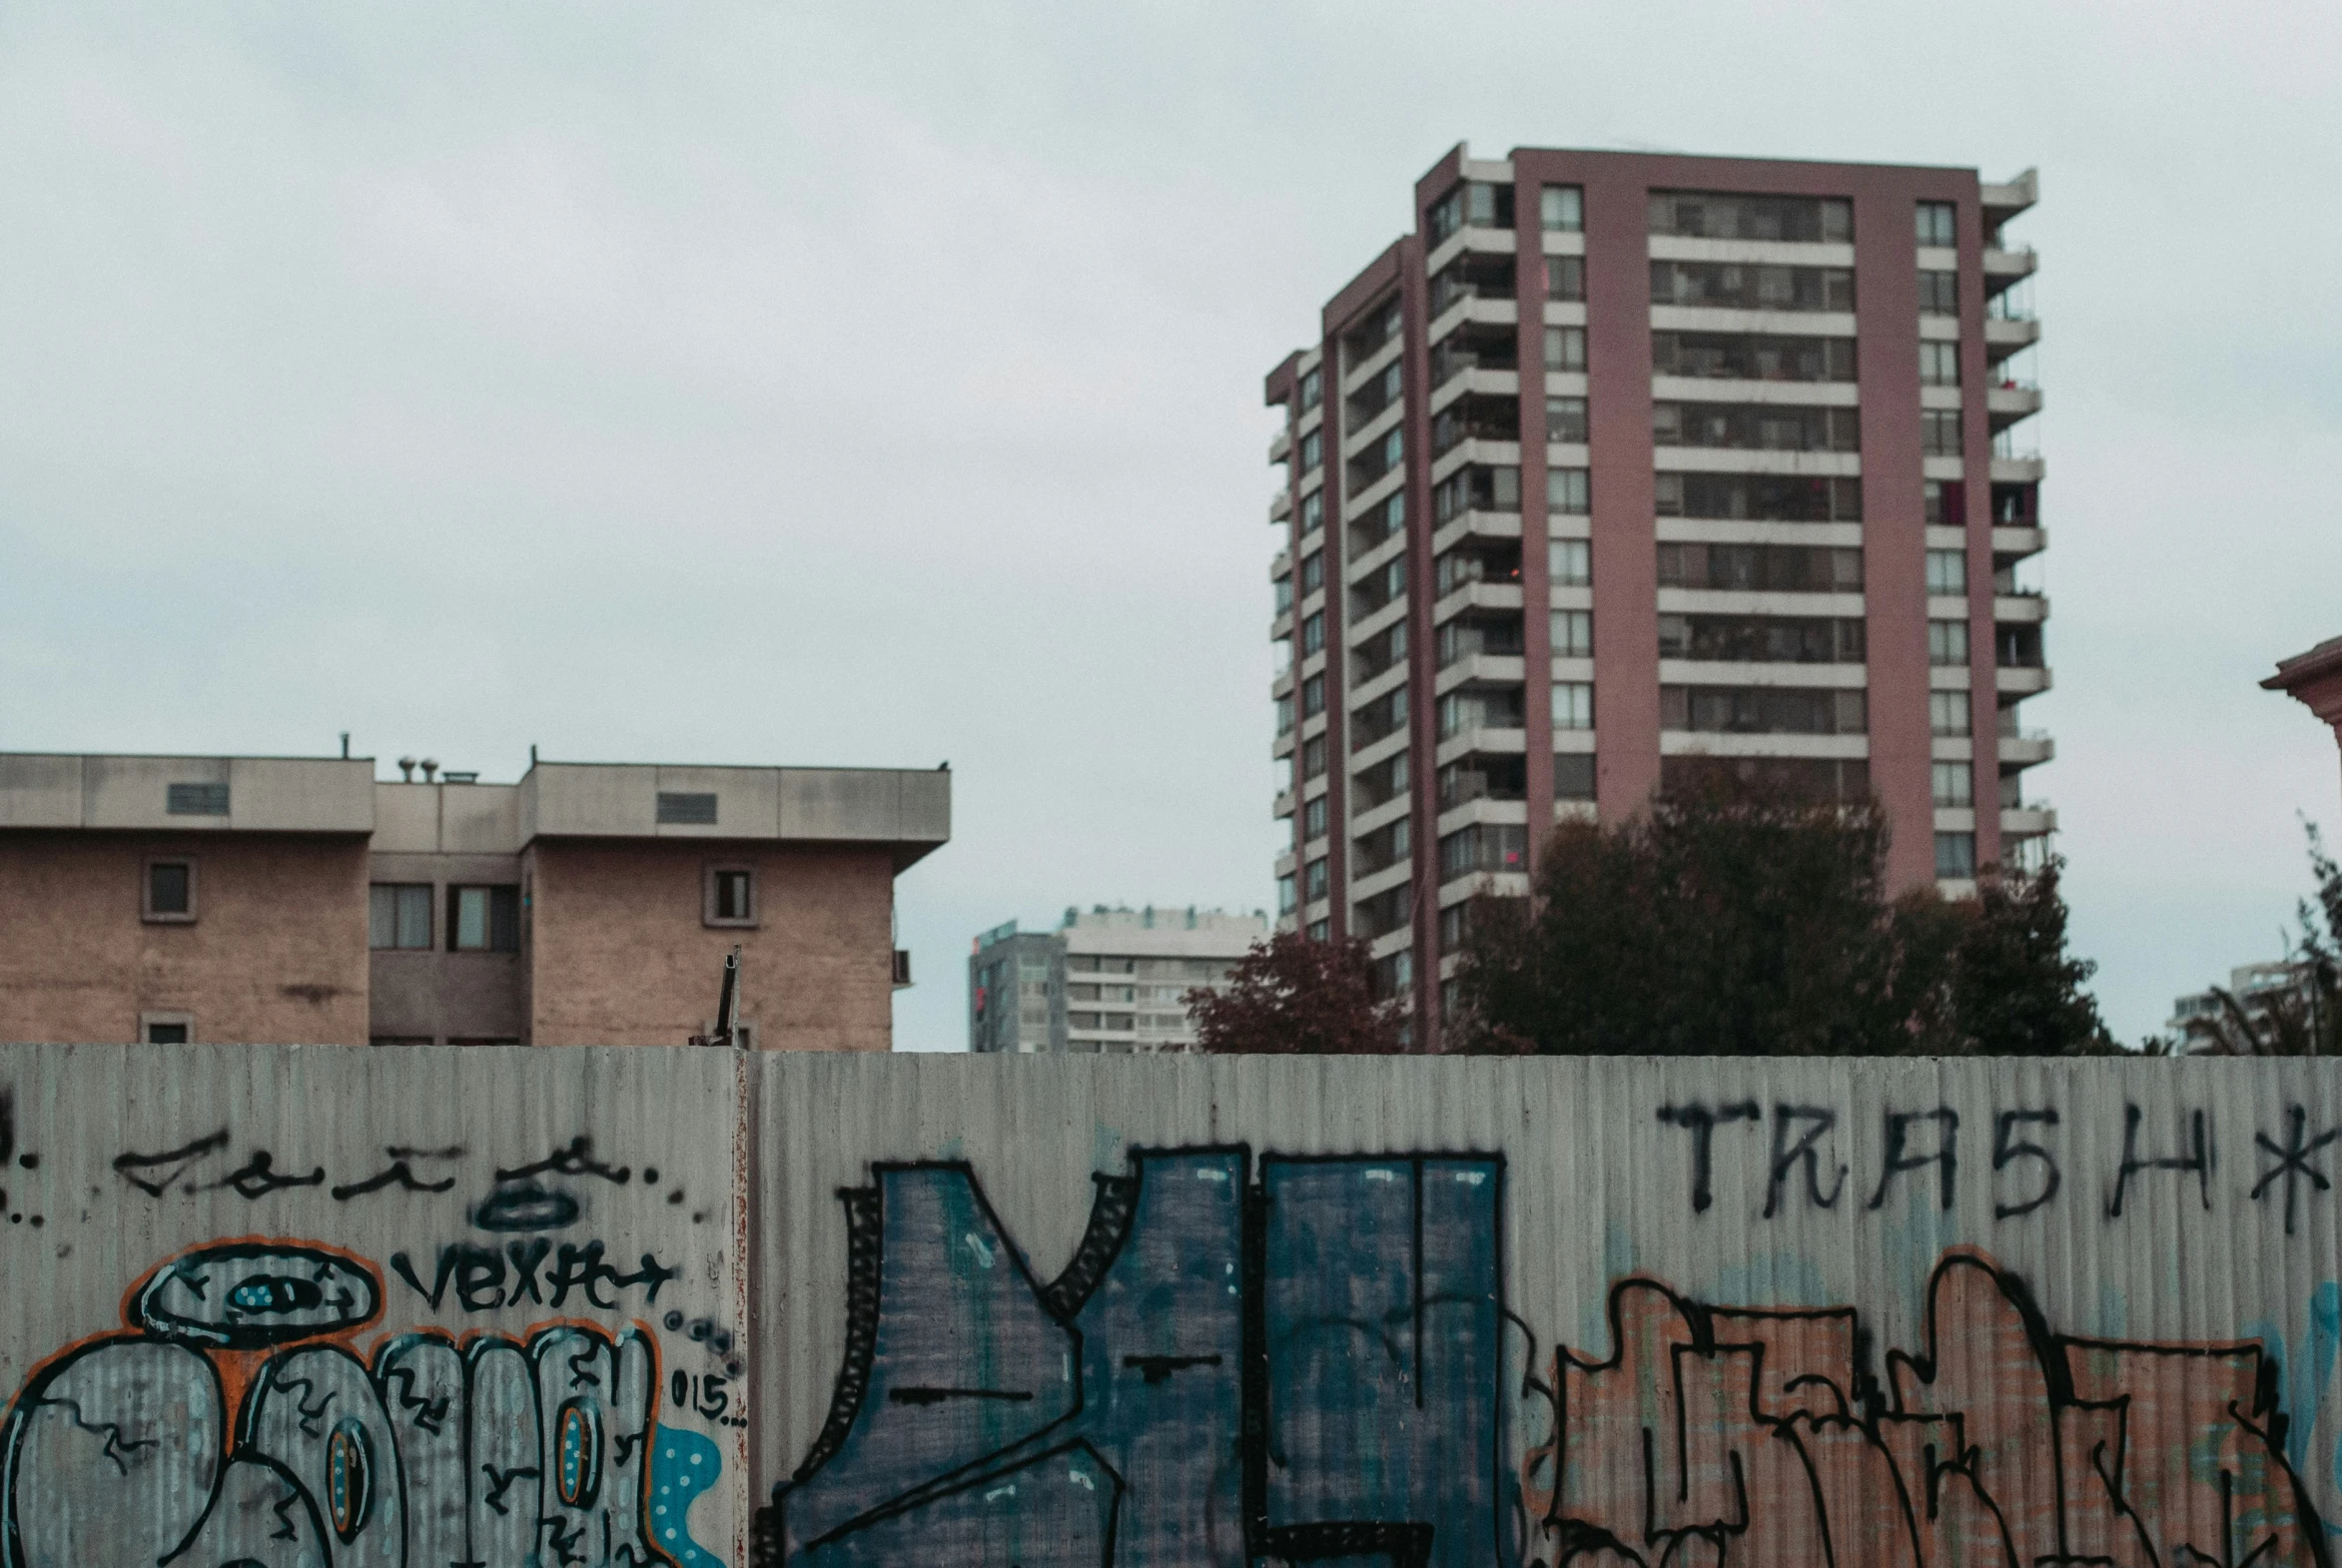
(574, 1158)
(140, 1170)
(1804, 1151)
(2197, 1157)
(327, 1455)
(2293, 1160)
(526, 1206)
(2008, 1151)
(483, 1282)
(258, 1178)
(1702, 1122)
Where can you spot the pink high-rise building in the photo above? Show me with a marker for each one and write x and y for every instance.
(1621, 458)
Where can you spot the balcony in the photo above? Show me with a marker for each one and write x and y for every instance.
(1280, 446)
(1474, 275)
(2004, 201)
(2004, 337)
(2019, 471)
(2002, 268)
(1490, 778)
(1474, 418)
(2028, 820)
(2026, 748)
(1475, 348)
(2011, 401)
(1280, 507)
(2022, 683)
(2019, 605)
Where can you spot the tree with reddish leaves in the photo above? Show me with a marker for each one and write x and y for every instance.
(1290, 996)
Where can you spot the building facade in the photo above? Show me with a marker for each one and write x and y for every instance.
(1109, 980)
(298, 901)
(1622, 459)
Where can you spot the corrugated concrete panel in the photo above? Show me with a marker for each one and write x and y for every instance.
(1060, 1311)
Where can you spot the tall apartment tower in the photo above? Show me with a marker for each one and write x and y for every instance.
(1620, 459)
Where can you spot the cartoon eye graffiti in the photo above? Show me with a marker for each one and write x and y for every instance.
(349, 1479)
(581, 1454)
(248, 1295)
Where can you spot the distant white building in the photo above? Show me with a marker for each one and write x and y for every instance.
(2201, 1020)
(1108, 980)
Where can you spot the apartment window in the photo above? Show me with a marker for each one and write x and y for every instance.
(1282, 588)
(1789, 568)
(1312, 756)
(1312, 390)
(1719, 215)
(1762, 640)
(1284, 715)
(730, 895)
(1956, 856)
(1565, 278)
(1955, 784)
(1936, 223)
(1313, 571)
(167, 890)
(1562, 208)
(398, 915)
(1763, 710)
(1312, 450)
(1569, 563)
(1573, 634)
(1737, 286)
(1761, 497)
(1940, 433)
(483, 919)
(1287, 896)
(1569, 491)
(1948, 642)
(1940, 367)
(1565, 421)
(1753, 357)
(1314, 819)
(1935, 505)
(166, 1029)
(1573, 703)
(1314, 880)
(1477, 489)
(1573, 775)
(1320, 930)
(1313, 513)
(1312, 696)
(196, 800)
(1947, 713)
(1565, 347)
(1947, 572)
(1938, 294)
(1313, 634)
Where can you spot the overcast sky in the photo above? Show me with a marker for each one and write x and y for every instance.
(879, 383)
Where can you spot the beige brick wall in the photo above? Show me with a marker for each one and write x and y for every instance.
(276, 956)
(617, 954)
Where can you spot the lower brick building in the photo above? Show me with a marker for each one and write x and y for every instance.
(273, 900)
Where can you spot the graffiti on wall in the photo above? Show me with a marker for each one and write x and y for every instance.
(1249, 1361)
(273, 1402)
(1310, 1360)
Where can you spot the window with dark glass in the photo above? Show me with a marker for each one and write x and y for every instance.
(1561, 208)
(1565, 278)
(1312, 390)
(1778, 569)
(484, 919)
(1312, 696)
(1763, 710)
(1312, 571)
(1733, 214)
(1312, 756)
(1936, 224)
(731, 896)
(1956, 856)
(1312, 450)
(1762, 640)
(1314, 819)
(1948, 642)
(1573, 775)
(1938, 293)
(1940, 433)
(169, 890)
(1753, 357)
(1757, 426)
(1314, 633)
(1939, 364)
(1737, 286)
(1313, 513)
(1761, 497)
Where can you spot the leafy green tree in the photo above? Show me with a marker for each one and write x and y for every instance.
(1735, 918)
(1290, 996)
(2299, 1019)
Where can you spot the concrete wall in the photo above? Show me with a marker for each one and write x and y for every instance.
(618, 953)
(1053, 1311)
(276, 953)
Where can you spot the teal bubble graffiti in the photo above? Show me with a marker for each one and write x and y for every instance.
(684, 1466)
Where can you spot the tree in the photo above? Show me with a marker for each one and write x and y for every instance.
(1293, 995)
(2301, 1018)
(1735, 918)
